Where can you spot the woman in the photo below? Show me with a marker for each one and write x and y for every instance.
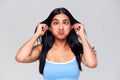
(60, 53)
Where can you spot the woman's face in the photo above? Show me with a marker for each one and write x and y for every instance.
(60, 26)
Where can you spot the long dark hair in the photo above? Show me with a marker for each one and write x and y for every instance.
(47, 39)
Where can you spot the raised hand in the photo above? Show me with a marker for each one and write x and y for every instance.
(79, 29)
(41, 29)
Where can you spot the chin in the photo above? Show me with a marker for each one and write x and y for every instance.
(61, 37)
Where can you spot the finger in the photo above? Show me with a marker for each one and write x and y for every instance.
(43, 29)
(46, 27)
(78, 27)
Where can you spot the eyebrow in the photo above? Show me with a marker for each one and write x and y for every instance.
(54, 19)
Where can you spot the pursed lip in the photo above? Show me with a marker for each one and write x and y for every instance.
(61, 32)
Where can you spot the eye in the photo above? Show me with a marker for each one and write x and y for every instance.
(66, 22)
(55, 23)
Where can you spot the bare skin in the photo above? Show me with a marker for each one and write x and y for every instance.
(60, 51)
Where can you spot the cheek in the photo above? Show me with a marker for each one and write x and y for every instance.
(54, 27)
(67, 31)
(53, 31)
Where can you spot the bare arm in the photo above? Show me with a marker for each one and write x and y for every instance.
(89, 57)
(29, 52)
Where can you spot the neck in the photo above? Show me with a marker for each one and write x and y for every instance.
(60, 44)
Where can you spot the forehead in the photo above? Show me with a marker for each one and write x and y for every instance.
(60, 17)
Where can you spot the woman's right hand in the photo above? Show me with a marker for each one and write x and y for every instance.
(29, 52)
(41, 29)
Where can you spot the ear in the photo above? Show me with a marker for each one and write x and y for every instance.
(72, 26)
(49, 28)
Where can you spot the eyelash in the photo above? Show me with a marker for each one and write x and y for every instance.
(55, 23)
(66, 23)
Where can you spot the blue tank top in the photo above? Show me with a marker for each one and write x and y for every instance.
(61, 71)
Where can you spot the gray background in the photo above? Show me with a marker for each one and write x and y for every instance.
(18, 19)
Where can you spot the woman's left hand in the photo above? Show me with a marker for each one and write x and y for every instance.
(79, 29)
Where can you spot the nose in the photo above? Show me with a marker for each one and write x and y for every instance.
(61, 27)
